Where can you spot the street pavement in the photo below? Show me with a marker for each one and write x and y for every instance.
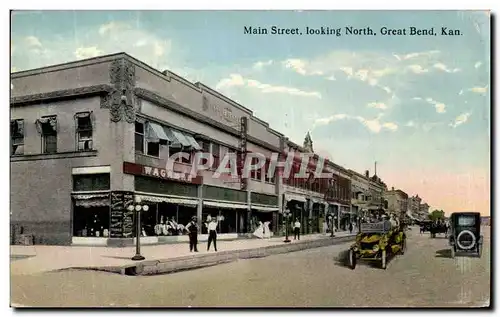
(27, 260)
(424, 277)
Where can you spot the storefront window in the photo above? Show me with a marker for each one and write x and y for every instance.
(171, 219)
(91, 222)
(228, 220)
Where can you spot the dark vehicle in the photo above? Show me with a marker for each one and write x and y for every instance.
(465, 233)
(425, 226)
(438, 226)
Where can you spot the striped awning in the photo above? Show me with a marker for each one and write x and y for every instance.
(265, 208)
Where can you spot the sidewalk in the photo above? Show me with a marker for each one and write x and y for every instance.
(40, 258)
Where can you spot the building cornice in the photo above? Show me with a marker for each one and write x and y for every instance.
(60, 95)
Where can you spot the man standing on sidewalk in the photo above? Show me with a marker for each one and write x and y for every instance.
(212, 233)
(192, 228)
(296, 229)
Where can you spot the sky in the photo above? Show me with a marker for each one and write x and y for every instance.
(417, 105)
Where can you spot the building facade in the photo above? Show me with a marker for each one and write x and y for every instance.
(89, 137)
(316, 202)
(397, 201)
(97, 133)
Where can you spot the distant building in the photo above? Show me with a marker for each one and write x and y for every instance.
(397, 201)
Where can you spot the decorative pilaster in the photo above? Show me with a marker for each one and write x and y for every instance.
(121, 100)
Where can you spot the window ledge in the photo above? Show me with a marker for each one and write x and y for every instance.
(52, 156)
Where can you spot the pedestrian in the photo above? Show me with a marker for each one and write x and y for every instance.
(296, 229)
(350, 227)
(192, 228)
(212, 233)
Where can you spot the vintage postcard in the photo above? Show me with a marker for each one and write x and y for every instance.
(250, 159)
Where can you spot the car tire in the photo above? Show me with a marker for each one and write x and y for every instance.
(452, 253)
(351, 259)
(383, 260)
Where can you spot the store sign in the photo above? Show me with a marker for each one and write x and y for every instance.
(224, 113)
(157, 172)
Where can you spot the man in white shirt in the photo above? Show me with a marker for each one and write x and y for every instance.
(212, 233)
(296, 229)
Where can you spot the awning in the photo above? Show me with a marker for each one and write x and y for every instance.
(265, 208)
(289, 197)
(224, 205)
(181, 138)
(170, 200)
(155, 133)
(193, 142)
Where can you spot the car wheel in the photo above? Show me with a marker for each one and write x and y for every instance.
(383, 263)
(452, 253)
(352, 259)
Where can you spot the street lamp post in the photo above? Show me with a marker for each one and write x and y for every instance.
(138, 208)
(287, 214)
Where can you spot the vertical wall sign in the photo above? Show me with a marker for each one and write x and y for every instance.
(243, 151)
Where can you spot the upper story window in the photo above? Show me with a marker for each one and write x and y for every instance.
(47, 127)
(84, 131)
(17, 137)
(215, 151)
(139, 137)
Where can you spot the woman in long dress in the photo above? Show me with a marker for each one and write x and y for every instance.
(259, 232)
(267, 232)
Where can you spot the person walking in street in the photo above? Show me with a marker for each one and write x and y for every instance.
(212, 233)
(192, 228)
(296, 230)
(350, 227)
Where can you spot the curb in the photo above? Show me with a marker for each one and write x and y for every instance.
(166, 266)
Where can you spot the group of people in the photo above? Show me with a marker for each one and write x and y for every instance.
(193, 229)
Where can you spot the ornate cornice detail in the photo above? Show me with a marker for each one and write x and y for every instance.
(61, 95)
(121, 101)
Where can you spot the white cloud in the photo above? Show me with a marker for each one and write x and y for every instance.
(235, 80)
(410, 123)
(33, 42)
(87, 52)
(377, 105)
(390, 126)
(461, 92)
(444, 68)
(439, 106)
(477, 65)
(417, 98)
(260, 65)
(479, 90)
(461, 119)
(374, 125)
(387, 89)
(297, 65)
(331, 78)
(417, 69)
(111, 26)
(415, 55)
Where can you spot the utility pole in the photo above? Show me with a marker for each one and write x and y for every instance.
(375, 168)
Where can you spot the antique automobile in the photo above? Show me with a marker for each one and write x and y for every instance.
(438, 226)
(377, 242)
(465, 236)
